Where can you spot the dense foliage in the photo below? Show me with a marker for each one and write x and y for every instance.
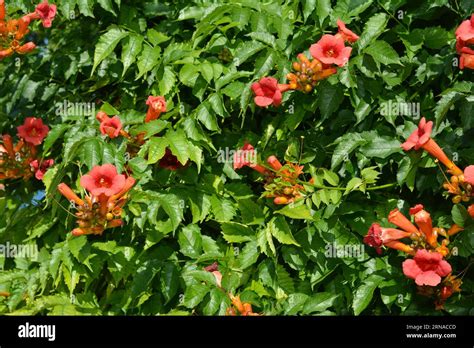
(190, 216)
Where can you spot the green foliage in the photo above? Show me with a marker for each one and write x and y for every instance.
(202, 56)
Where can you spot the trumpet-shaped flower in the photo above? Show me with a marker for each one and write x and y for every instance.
(426, 268)
(330, 49)
(33, 130)
(103, 180)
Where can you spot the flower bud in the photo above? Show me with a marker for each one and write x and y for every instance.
(296, 66)
(280, 200)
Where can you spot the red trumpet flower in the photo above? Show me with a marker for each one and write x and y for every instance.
(268, 92)
(465, 32)
(424, 223)
(103, 208)
(33, 130)
(103, 180)
(111, 126)
(421, 138)
(246, 157)
(331, 50)
(426, 268)
(156, 105)
(66, 191)
(346, 34)
(44, 12)
(378, 236)
(397, 218)
(40, 168)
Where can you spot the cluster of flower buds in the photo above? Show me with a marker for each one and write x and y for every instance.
(14, 30)
(428, 266)
(327, 54)
(281, 181)
(422, 236)
(461, 183)
(464, 42)
(102, 206)
(238, 307)
(284, 186)
(20, 160)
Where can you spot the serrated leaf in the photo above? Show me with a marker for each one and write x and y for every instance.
(383, 53)
(279, 229)
(300, 211)
(157, 149)
(235, 232)
(178, 145)
(106, 44)
(372, 29)
(364, 293)
(190, 241)
(148, 59)
(130, 50)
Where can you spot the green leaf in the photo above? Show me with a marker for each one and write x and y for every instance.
(248, 256)
(173, 206)
(207, 71)
(178, 144)
(383, 53)
(300, 211)
(189, 74)
(155, 37)
(353, 184)
(130, 50)
(346, 144)
(54, 134)
(85, 7)
(149, 58)
(319, 302)
(381, 147)
(329, 99)
(372, 29)
(207, 118)
(444, 104)
(460, 215)
(190, 241)
(370, 175)
(169, 280)
(167, 81)
(364, 293)
(91, 152)
(323, 9)
(235, 232)
(194, 295)
(107, 43)
(157, 149)
(279, 229)
(107, 5)
(245, 50)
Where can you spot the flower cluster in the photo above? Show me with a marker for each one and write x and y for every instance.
(14, 30)
(112, 127)
(281, 181)
(20, 160)
(102, 206)
(428, 268)
(464, 42)
(327, 54)
(461, 183)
